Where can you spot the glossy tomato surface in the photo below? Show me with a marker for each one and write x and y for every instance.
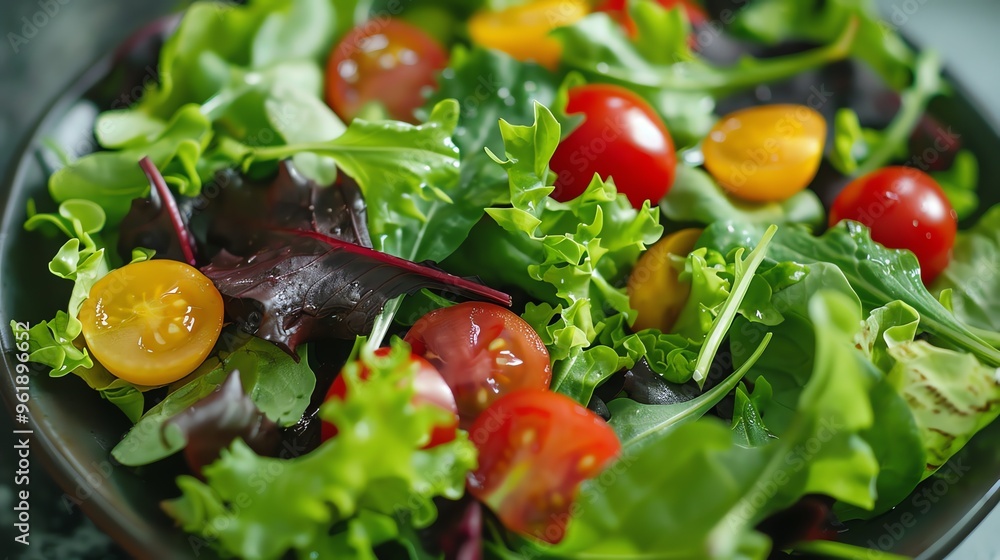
(621, 137)
(905, 209)
(483, 351)
(535, 449)
(766, 153)
(429, 388)
(153, 322)
(384, 60)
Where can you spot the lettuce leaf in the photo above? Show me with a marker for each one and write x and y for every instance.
(878, 275)
(727, 489)
(973, 276)
(368, 481)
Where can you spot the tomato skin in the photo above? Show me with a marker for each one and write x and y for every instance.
(483, 351)
(535, 449)
(905, 209)
(152, 322)
(429, 388)
(522, 31)
(621, 137)
(389, 61)
(619, 10)
(766, 153)
(653, 287)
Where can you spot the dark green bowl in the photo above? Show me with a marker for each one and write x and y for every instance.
(74, 430)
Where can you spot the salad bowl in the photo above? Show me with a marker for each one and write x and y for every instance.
(73, 430)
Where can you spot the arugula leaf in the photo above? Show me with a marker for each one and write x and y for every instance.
(858, 151)
(878, 275)
(278, 386)
(681, 86)
(821, 21)
(726, 489)
(696, 197)
(373, 469)
(973, 276)
(748, 427)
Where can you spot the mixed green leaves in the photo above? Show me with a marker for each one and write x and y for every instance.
(878, 275)
(278, 386)
(372, 472)
(972, 279)
(680, 85)
(728, 488)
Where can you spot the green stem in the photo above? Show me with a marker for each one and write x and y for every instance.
(729, 309)
(913, 104)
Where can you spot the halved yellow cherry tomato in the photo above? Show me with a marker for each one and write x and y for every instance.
(522, 31)
(152, 322)
(766, 153)
(653, 289)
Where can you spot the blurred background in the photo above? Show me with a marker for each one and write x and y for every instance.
(33, 73)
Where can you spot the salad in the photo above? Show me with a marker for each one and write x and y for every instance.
(527, 279)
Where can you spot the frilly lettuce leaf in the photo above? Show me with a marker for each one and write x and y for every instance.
(372, 477)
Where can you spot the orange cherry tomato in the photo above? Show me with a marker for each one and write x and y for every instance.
(152, 322)
(522, 31)
(653, 288)
(388, 61)
(766, 153)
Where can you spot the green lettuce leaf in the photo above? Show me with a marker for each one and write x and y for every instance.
(728, 489)
(696, 198)
(369, 480)
(973, 276)
(279, 386)
(878, 275)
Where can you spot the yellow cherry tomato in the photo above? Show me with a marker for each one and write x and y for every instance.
(766, 153)
(522, 31)
(653, 289)
(152, 322)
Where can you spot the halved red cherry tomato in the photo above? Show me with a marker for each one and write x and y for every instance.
(766, 153)
(152, 322)
(388, 61)
(905, 209)
(483, 351)
(535, 449)
(522, 31)
(429, 388)
(619, 10)
(621, 137)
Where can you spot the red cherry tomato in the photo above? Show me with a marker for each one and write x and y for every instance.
(535, 449)
(388, 61)
(483, 351)
(621, 137)
(429, 388)
(905, 209)
(619, 10)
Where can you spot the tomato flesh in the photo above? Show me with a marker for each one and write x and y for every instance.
(389, 61)
(766, 153)
(621, 137)
(429, 388)
(905, 209)
(535, 449)
(523, 31)
(153, 322)
(483, 351)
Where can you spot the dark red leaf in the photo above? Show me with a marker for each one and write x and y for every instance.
(305, 286)
(211, 424)
(156, 222)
